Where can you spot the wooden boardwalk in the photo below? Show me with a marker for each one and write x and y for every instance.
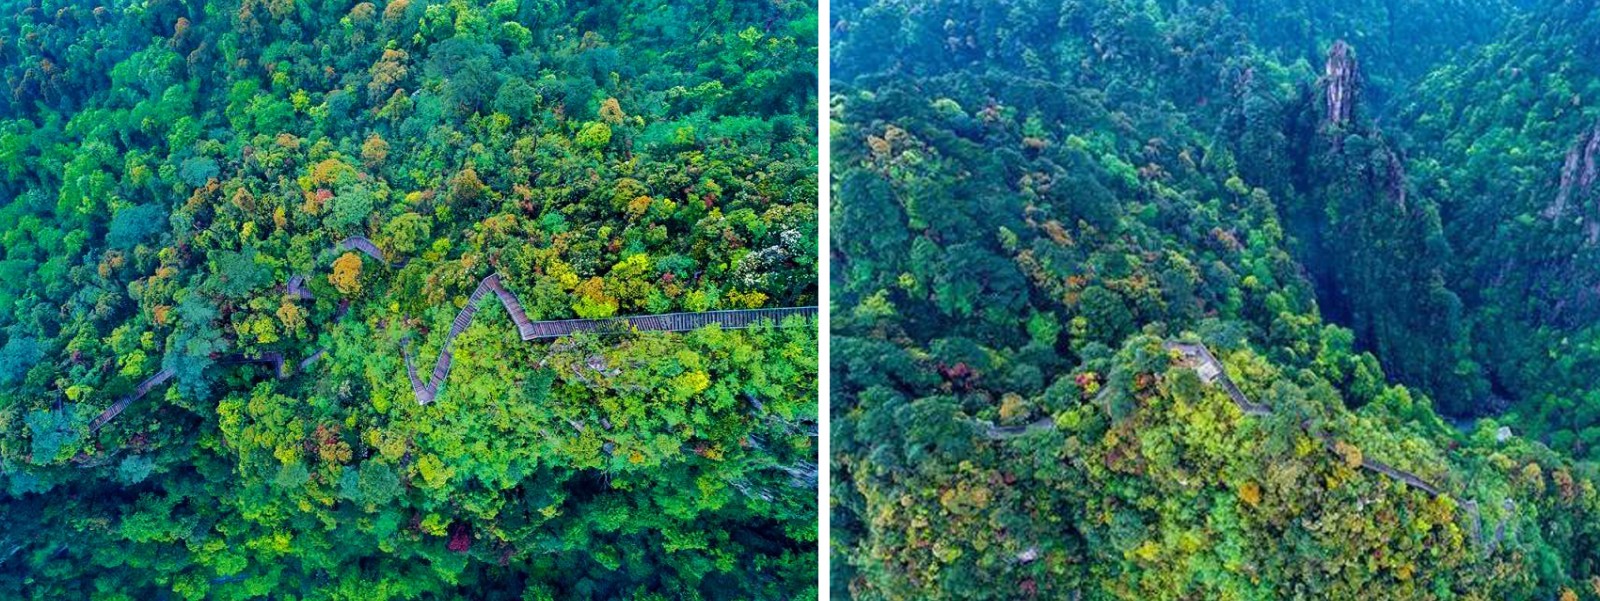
(297, 288)
(1199, 358)
(994, 432)
(1406, 477)
(361, 243)
(312, 359)
(1374, 465)
(274, 359)
(427, 390)
(121, 405)
(671, 322)
(509, 300)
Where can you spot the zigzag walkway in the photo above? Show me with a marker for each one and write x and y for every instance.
(1211, 371)
(669, 322)
(1199, 358)
(1203, 362)
(425, 391)
(361, 243)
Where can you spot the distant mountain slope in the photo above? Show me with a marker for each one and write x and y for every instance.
(1029, 203)
(1506, 140)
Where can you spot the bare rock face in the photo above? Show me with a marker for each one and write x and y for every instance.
(1578, 174)
(1397, 180)
(1341, 83)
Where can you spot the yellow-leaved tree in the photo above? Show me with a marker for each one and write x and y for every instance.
(346, 274)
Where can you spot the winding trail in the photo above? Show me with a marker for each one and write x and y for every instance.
(425, 391)
(1374, 465)
(1211, 371)
(361, 243)
(1199, 358)
(670, 322)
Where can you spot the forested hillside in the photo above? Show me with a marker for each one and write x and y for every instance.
(238, 234)
(1049, 215)
(1513, 166)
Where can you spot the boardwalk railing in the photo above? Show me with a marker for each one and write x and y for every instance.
(1203, 362)
(361, 243)
(1199, 358)
(994, 432)
(427, 390)
(671, 322)
(295, 287)
(273, 359)
(121, 405)
(1374, 465)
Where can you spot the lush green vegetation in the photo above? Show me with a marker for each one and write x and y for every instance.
(1031, 197)
(167, 167)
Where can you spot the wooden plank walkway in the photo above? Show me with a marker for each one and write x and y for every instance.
(1374, 465)
(274, 359)
(671, 322)
(1198, 357)
(426, 391)
(518, 316)
(297, 288)
(122, 405)
(309, 361)
(1406, 477)
(993, 432)
(361, 243)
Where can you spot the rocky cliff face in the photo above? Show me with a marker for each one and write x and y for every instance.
(1341, 92)
(1578, 175)
(1396, 177)
(1341, 83)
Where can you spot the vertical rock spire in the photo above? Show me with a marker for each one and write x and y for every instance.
(1340, 81)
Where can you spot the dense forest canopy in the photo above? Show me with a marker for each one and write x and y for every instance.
(243, 215)
(1377, 217)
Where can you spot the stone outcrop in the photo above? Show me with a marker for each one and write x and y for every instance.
(1578, 174)
(1341, 83)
